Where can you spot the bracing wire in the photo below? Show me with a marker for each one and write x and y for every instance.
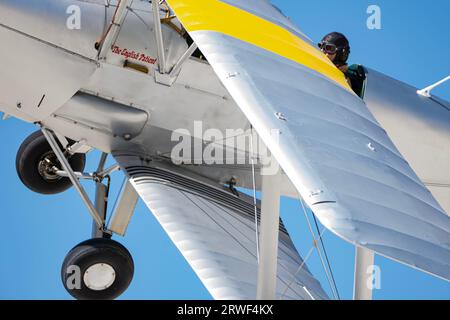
(255, 203)
(330, 282)
(326, 257)
(301, 265)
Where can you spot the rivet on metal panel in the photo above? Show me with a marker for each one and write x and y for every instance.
(371, 147)
(233, 75)
(280, 116)
(315, 193)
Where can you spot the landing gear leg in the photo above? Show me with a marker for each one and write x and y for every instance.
(103, 266)
(99, 268)
(101, 200)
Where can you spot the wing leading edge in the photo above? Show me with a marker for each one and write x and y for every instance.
(336, 154)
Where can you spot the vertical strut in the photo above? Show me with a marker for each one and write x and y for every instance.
(183, 59)
(73, 178)
(159, 37)
(101, 200)
(269, 232)
(114, 28)
(364, 259)
(124, 208)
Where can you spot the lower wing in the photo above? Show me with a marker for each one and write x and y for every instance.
(215, 231)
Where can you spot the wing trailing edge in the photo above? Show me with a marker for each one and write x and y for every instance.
(336, 154)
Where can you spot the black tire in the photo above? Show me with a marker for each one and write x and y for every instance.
(93, 252)
(28, 160)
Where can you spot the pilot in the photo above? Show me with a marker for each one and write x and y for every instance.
(337, 48)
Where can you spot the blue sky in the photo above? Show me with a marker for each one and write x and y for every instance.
(37, 232)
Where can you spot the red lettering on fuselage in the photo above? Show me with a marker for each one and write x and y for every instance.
(131, 54)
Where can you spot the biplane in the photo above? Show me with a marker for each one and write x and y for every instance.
(198, 99)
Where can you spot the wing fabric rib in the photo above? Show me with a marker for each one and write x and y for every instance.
(332, 149)
(214, 230)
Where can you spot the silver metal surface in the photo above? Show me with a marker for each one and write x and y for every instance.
(109, 117)
(47, 21)
(109, 170)
(368, 196)
(77, 147)
(123, 209)
(215, 232)
(159, 37)
(102, 162)
(101, 197)
(268, 238)
(99, 276)
(37, 89)
(364, 261)
(176, 69)
(62, 140)
(419, 128)
(101, 200)
(79, 175)
(113, 31)
(66, 166)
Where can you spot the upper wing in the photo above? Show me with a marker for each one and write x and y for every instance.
(334, 151)
(215, 232)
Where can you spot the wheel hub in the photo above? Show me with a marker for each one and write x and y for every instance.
(99, 276)
(46, 166)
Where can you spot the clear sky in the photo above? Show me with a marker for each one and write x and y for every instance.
(37, 231)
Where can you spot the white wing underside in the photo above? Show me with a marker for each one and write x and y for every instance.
(215, 232)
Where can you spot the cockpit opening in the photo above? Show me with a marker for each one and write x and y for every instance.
(357, 75)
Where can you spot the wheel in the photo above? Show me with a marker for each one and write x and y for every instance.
(35, 162)
(97, 269)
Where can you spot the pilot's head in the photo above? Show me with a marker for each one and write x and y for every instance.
(337, 48)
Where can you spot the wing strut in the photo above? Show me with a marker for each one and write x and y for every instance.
(427, 91)
(124, 208)
(163, 74)
(159, 38)
(182, 60)
(114, 28)
(364, 260)
(268, 239)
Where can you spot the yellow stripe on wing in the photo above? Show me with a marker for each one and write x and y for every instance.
(214, 15)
